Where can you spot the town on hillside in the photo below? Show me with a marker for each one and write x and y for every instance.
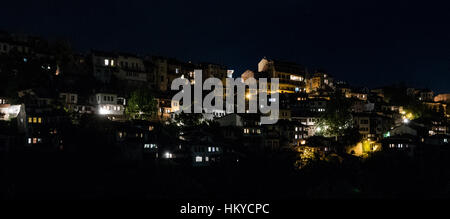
(103, 124)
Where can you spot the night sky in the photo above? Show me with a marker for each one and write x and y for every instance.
(368, 43)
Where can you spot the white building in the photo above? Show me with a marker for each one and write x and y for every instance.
(108, 104)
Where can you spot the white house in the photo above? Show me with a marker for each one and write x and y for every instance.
(107, 104)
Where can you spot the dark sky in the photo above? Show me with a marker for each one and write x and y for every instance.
(367, 43)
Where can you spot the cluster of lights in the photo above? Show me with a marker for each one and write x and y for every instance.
(103, 111)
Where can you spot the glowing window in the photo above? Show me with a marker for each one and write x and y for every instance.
(39, 120)
(34, 120)
(30, 120)
(106, 62)
(198, 159)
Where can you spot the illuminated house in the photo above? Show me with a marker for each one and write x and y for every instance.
(205, 153)
(165, 108)
(308, 119)
(252, 133)
(358, 93)
(43, 121)
(364, 147)
(127, 68)
(199, 149)
(8, 111)
(284, 135)
(104, 65)
(371, 125)
(404, 143)
(291, 75)
(14, 112)
(108, 104)
(319, 81)
(444, 98)
(312, 105)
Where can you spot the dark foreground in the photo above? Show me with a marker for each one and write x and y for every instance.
(74, 176)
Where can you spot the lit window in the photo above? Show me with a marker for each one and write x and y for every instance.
(146, 145)
(106, 62)
(30, 120)
(34, 120)
(29, 140)
(39, 120)
(112, 62)
(198, 159)
(206, 159)
(209, 149)
(34, 140)
(217, 149)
